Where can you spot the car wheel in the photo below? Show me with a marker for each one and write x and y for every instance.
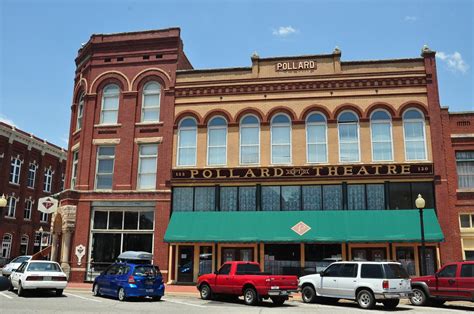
(308, 294)
(437, 302)
(366, 299)
(121, 294)
(419, 297)
(250, 296)
(390, 304)
(96, 290)
(20, 291)
(278, 300)
(157, 298)
(205, 291)
(59, 292)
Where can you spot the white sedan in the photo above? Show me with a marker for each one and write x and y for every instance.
(35, 274)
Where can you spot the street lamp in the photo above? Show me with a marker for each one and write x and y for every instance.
(3, 203)
(40, 230)
(420, 204)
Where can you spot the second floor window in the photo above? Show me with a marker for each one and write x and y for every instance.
(80, 112)
(32, 175)
(187, 138)
(151, 102)
(75, 163)
(15, 169)
(105, 167)
(414, 132)
(316, 139)
(110, 104)
(217, 142)
(148, 157)
(465, 169)
(44, 217)
(11, 207)
(48, 180)
(249, 140)
(281, 139)
(28, 209)
(348, 126)
(381, 132)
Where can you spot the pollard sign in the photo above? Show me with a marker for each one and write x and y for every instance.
(47, 205)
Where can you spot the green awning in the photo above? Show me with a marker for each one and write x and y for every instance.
(326, 226)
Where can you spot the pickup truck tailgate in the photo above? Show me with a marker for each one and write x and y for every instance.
(283, 282)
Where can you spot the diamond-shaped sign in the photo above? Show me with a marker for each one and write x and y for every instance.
(301, 228)
(47, 205)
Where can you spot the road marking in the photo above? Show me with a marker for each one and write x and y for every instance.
(84, 298)
(6, 296)
(184, 303)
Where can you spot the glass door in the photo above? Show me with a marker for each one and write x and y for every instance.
(185, 263)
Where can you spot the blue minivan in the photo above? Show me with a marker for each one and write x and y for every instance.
(130, 278)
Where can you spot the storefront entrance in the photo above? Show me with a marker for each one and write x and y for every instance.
(185, 263)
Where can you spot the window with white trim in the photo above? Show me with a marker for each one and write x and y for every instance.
(80, 112)
(105, 167)
(28, 209)
(249, 140)
(32, 175)
(11, 206)
(187, 138)
(48, 180)
(6, 245)
(44, 217)
(465, 169)
(110, 104)
(348, 127)
(15, 169)
(75, 163)
(414, 133)
(24, 244)
(281, 139)
(217, 141)
(381, 135)
(147, 164)
(316, 138)
(151, 102)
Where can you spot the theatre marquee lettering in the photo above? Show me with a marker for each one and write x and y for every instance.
(305, 172)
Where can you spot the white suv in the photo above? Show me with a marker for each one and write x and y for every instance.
(365, 282)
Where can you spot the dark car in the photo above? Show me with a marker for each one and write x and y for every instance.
(126, 280)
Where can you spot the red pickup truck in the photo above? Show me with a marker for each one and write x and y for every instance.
(453, 282)
(245, 278)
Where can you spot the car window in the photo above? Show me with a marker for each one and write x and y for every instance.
(371, 271)
(225, 269)
(467, 270)
(20, 259)
(248, 268)
(448, 271)
(22, 267)
(145, 271)
(333, 270)
(395, 271)
(113, 270)
(123, 270)
(44, 267)
(348, 270)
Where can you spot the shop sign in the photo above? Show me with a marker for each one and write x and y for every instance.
(80, 252)
(295, 66)
(47, 205)
(301, 228)
(305, 172)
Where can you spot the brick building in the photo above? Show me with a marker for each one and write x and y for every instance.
(30, 168)
(118, 193)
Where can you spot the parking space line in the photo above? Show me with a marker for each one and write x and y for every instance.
(184, 303)
(6, 296)
(84, 298)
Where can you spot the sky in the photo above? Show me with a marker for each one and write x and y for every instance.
(39, 41)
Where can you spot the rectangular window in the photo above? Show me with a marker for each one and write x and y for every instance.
(290, 198)
(466, 221)
(414, 140)
(400, 196)
(48, 180)
(371, 271)
(375, 196)
(332, 197)
(205, 260)
(317, 150)
(271, 198)
(31, 175)
(381, 133)
(228, 198)
(249, 144)
(183, 199)
(11, 207)
(282, 259)
(75, 163)
(356, 197)
(44, 217)
(349, 142)
(15, 168)
(147, 163)
(312, 197)
(465, 169)
(28, 208)
(247, 198)
(205, 198)
(105, 167)
(319, 256)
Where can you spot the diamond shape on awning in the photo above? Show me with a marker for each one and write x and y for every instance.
(301, 228)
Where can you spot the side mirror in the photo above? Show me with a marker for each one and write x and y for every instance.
(321, 274)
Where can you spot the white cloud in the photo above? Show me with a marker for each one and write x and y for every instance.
(4, 119)
(411, 18)
(454, 61)
(284, 31)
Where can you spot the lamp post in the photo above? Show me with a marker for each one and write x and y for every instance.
(40, 230)
(420, 204)
(3, 202)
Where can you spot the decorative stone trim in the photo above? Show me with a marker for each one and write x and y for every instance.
(103, 141)
(149, 140)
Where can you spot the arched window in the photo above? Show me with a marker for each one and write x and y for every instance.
(281, 139)
(24, 244)
(110, 104)
(414, 133)
(48, 180)
(6, 245)
(381, 133)
(151, 102)
(187, 138)
(316, 138)
(348, 126)
(80, 112)
(217, 141)
(11, 206)
(249, 140)
(15, 170)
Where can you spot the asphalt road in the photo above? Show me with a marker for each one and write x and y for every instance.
(80, 301)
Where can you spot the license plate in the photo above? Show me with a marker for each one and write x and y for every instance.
(149, 282)
(149, 290)
(46, 278)
(284, 292)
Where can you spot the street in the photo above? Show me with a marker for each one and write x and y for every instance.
(82, 301)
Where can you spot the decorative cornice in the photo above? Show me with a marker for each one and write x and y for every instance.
(102, 141)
